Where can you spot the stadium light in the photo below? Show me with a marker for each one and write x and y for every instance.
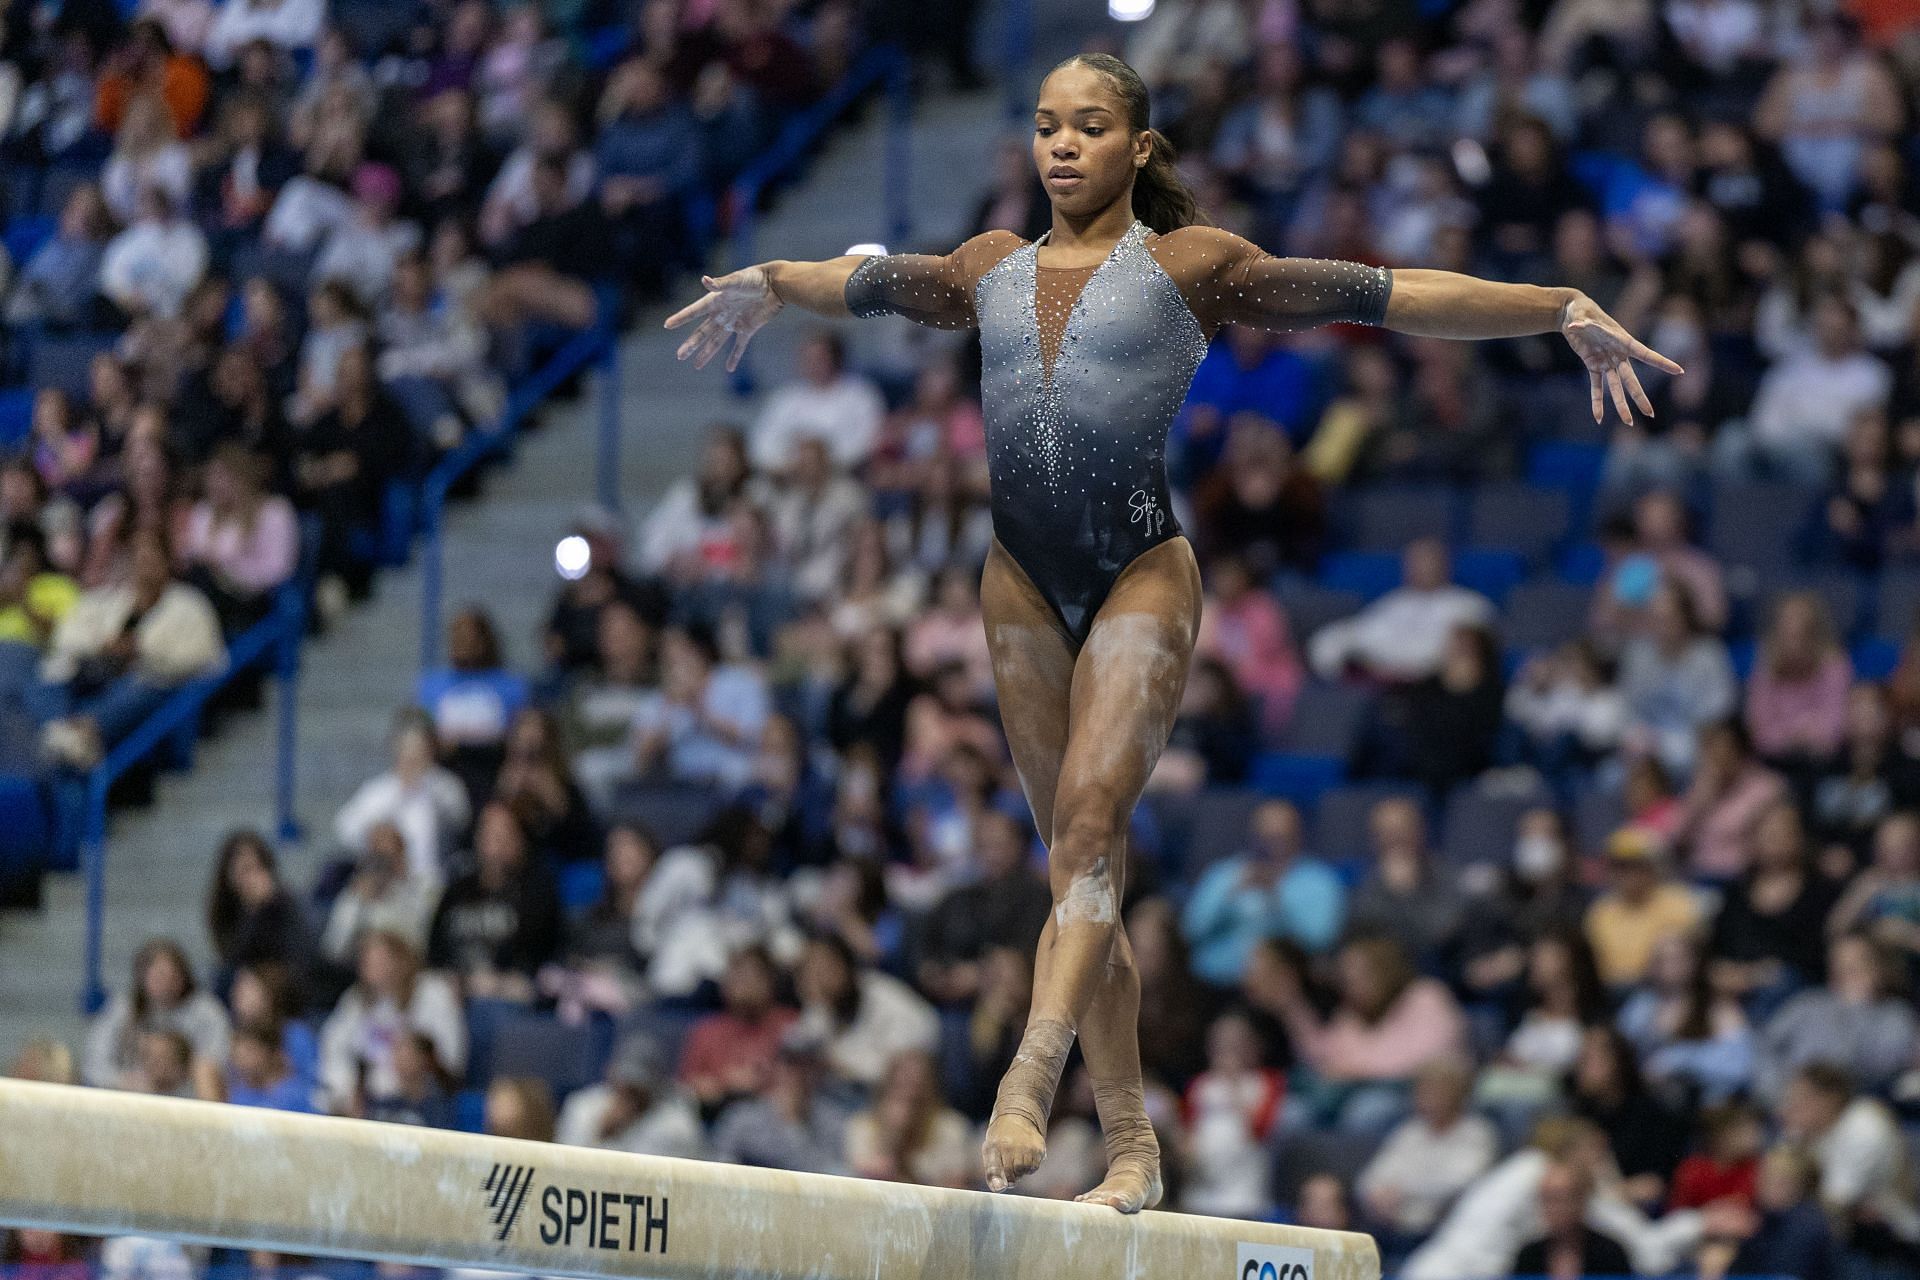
(571, 557)
(1129, 10)
(866, 249)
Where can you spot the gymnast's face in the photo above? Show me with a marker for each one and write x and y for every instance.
(1085, 152)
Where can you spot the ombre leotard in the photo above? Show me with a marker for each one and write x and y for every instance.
(1083, 369)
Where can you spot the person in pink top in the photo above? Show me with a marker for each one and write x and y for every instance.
(730, 1054)
(1731, 791)
(1797, 695)
(1387, 1024)
(1246, 630)
(241, 542)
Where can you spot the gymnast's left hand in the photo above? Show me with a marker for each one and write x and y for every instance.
(1609, 351)
(736, 305)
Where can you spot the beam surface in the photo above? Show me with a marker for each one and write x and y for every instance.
(104, 1163)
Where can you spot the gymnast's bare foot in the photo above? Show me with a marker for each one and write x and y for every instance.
(1014, 1148)
(1133, 1183)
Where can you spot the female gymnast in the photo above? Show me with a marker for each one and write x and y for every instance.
(1091, 596)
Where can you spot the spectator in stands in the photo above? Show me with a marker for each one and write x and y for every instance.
(1858, 788)
(1006, 907)
(161, 996)
(604, 962)
(1721, 811)
(1869, 516)
(1568, 1247)
(909, 1134)
(1884, 899)
(472, 700)
(1271, 146)
(431, 361)
(120, 652)
(1405, 895)
(164, 1065)
(1230, 1109)
(1387, 1023)
(1215, 733)
(1861, 1016)
(551, 134)
(1625, 602)
(242, 542)
(423, 801)
(252, 918)
(688, 532)
(1865, 1184)
(497, 924)
(1641, 905)
(1430, 1157)
(364, 250)
(1175, 1006)
(1825, 106)
(537, 781)
(288, 25)
(423, 1089)
(1805, 403)
(814, 511)
(360, 1042)
(1727, 1165)
(1692, 1038)
(1442, 730)
(1272, 889)
(706, 719)
(57, 286)
(520, 1107)
(264, 994)
(259, 1073)
(384, 893)
(1606, 1089)
(1676, 679)
(730, 1054)
(862, 1017)
(1797, 695)
(827, 403)
(1769, 937)
(342, 465)
(151, 267)
(242, 171)
(950, 630)
(48, 1254)
(1790, 1236)
(648, 157)
(791, 1123)
(636, 1109)
(1563, 997)
(34, 597)
(548, 266)
(1403, 635)
(147, 157)
(1261, 504)
(1538, 895)
(1245, 628)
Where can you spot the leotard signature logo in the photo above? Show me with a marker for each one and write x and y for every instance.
(1144, 508)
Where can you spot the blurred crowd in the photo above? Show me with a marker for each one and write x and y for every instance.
(1533, 878)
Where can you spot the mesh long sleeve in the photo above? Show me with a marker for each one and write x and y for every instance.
(1231, 280)
(929, 289)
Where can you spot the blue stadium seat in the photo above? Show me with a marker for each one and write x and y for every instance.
(1743, 654)
(567, 1057)
(1874, 658)
(1480, 822)
(1300, 778)
(1387, 519)
(1544, 615)
(1215, 827)
(1493, 572)
(1327, 720)
(1597, 814)
(1897, 610)
(1519, 517)
(65, 360)
(580, 884)
(1583, 563)
(24, 236)
(16, 415)
(1340, 827)
(1367, 574)
(470, 1111)
(1573, 468)
(674, 814)
(1311, 606)
(1757, 527)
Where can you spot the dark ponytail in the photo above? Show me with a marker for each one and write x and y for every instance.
(1161, 198)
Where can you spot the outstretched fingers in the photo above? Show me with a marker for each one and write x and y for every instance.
(1631, 381)
(1647, 355)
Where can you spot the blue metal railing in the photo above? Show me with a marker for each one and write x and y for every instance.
(599, 344)
(275, 638)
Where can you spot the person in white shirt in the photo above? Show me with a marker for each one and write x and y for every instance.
(814, 513)
(1433, 1155)
(145, 154)
(510, 203)
(384, 896)
(364, 250)
(861, 1018)
(286, 24)
(426, 802)
(1402, 635)
(637, 1109)
(360, 1039)
(827, 402)
(1806, 403)
(704, 724)
(151, 267)
(1866, 1183)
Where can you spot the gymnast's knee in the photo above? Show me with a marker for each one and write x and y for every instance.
(1086, 840)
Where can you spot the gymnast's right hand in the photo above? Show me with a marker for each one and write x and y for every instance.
(736, 305)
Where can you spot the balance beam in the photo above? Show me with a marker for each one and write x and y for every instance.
(97, 1162)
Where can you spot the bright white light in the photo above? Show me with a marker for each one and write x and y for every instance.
(1129, 10)
(571, 557)
(867, 249)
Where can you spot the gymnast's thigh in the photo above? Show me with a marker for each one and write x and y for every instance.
(1033, 661)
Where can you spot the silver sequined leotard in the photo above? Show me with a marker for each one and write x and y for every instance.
(1083, 370)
